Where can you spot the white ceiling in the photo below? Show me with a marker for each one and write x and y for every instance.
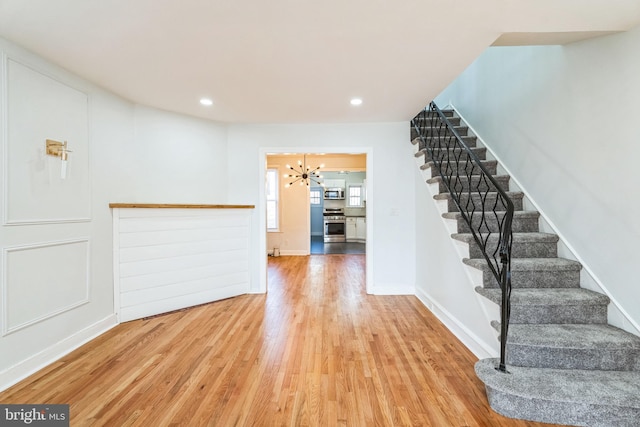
(286, 61)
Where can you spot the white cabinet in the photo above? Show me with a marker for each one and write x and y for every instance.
(351, 232)
(356, 229)
(334, 183)
(361, 228)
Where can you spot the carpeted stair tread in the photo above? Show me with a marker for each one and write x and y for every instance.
(567, 396)
(420, 121)
(516, 214)
(446, 112)
(523, 221)
(515, 196)
(511, 194)
(528, 264)
(474, 182)
(532, 273)
(498, 178)
(517, 237)
(574, 336)
(525, 245)
(480, 152)
(547, 296)
(460, 129)
(470, 140)
(552, 305)
(489, 165)
(586, 346)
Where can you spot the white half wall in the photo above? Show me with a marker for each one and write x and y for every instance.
(563, 120)
(390, 189)
(170, 259)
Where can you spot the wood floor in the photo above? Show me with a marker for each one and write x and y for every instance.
(315, 351)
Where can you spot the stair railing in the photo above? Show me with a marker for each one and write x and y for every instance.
(456, 164)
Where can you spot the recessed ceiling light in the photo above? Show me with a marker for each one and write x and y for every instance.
(206, 101)
(356, 101)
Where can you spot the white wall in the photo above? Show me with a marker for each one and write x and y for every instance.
(292, 237)
(563, 119)
(443, 282)
(74, 250)
(390, 174)
(175, 158)
(128, 154)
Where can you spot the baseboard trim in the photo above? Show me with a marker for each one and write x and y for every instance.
(478, 347)
(393, 289)
(49, 355)
(294, 252)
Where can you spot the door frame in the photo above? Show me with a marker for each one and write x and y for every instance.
(262, 220)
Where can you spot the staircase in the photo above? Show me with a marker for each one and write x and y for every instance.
(565, 364)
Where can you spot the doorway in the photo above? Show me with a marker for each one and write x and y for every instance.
(297, 231)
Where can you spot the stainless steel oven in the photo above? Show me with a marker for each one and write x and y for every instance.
(335, 225)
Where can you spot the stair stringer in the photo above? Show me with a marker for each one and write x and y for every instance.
(481, 341)
(616, 316)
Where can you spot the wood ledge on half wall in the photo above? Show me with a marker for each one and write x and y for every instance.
(175, 206)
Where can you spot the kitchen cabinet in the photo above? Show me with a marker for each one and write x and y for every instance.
(361, 228)
(351, 229)
(356, 229)
(334, 183)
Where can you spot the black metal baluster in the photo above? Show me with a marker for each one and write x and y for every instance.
(440, 140)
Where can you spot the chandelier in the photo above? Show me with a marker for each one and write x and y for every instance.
(304, 174)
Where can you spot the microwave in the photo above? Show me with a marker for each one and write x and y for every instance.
(334, 194)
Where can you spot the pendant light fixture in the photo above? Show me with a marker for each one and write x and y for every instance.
(304, 174)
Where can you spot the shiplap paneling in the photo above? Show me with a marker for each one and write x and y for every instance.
(181, 249)
(162, 237)
(177, 302)
(167, 259)
(149, 279)
(185, 287)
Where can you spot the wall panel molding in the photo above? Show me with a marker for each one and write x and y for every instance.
(43, 280)
(36, 106)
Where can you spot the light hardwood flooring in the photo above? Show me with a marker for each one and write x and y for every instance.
(315, 351)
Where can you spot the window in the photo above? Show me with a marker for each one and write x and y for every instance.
(315, 196)
(354, 197)
(273, 219)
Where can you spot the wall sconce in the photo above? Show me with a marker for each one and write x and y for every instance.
(59, 149)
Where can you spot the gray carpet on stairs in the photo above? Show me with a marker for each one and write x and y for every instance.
(563, 396)
(566, 364)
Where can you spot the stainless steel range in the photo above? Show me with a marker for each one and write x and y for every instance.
(335, 225)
